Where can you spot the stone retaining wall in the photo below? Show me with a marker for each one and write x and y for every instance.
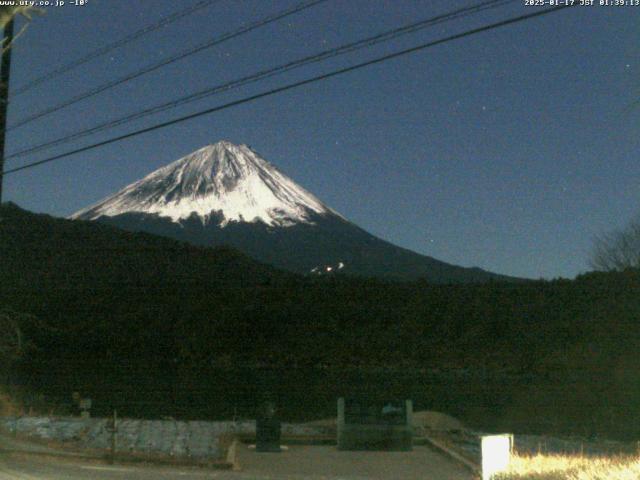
(192, 439)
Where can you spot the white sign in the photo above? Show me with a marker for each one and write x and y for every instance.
(496, 454)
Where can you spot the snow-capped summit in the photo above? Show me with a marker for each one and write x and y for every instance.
(228, 180)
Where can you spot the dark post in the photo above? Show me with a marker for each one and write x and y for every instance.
(5, 70)
(113, 429)
(268, 429)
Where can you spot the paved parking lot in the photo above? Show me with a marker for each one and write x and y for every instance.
(325, 462)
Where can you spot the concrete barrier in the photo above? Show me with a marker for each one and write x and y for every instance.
(496, 454)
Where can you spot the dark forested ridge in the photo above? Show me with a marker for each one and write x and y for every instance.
(303, 247)
(117, 307)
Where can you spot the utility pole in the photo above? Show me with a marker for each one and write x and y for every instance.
(5, 70)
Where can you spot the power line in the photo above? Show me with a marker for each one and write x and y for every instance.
(291, 86)
(163, 22)
(261, 75)
(169, 60)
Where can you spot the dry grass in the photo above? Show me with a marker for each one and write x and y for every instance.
(436, 421)
(572, 467)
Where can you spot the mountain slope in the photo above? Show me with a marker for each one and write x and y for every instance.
(225, 194)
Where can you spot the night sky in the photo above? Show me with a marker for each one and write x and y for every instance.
(509, 150)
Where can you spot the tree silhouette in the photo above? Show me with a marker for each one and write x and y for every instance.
(11, 337)
(619, 249)
(8, 13)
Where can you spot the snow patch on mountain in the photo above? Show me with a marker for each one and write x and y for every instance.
(226, 179)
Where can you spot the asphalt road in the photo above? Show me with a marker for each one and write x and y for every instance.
(297, 463)
(18, 467)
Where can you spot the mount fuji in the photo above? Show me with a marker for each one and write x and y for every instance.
(226, 194)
